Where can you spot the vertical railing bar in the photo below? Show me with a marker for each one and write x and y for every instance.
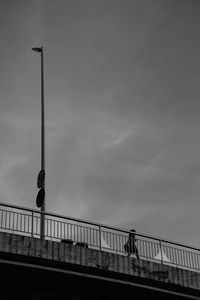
(29, 224)
(186, 261)
(59, 222)
(20, 222)
(93, 233)
(73, 231)
(197, 261)
(1, 217)
(17, 221)
(38, 225)
(24, 227)
(61, 225)
(70, 230)
(184, 258)
(117, 236)
(80, 233)
(25, 223)
(51, 229)
(177, 255)
(177, 258)
(150, 249)
(6, 220)
(189, 260)
(64, 230)
(32, 222)
(9, 219)
(161, 251)
(13, 222)
(84, 230)
(192, 260)
(86, 235)
(120, 243)
(146, 249)
(100, 238)
(47, 227)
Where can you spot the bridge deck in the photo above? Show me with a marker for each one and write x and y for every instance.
(54, 267)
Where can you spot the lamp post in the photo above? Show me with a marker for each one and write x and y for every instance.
(41, 176)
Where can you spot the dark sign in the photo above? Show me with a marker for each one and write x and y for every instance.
(40, 197)
(41, 179)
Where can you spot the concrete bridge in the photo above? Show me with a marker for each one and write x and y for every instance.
(79, 259)
(31, 267)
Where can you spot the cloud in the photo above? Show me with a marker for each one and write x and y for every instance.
(121, 108)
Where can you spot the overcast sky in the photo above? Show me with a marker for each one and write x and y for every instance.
(122, 108)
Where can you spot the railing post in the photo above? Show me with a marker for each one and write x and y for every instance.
(32, 224)
(161, 252)
(100, 237)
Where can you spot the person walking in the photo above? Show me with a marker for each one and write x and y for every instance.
(130, 246)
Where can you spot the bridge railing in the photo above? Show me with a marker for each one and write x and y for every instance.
(25, 221)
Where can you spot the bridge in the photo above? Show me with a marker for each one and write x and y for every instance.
(81, 259)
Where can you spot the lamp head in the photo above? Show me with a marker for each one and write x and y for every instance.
(37, 49)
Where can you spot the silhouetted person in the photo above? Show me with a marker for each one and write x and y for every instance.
(130, 245)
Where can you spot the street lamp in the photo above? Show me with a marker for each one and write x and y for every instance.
(40, 201)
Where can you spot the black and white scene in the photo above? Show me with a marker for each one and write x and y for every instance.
(100, 149)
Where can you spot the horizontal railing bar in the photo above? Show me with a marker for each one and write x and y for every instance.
(88, 222)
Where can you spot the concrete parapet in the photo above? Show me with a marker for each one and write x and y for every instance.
(98, 260)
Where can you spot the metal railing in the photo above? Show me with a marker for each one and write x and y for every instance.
(25, 221)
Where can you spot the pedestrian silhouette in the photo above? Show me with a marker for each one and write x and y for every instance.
(130, 246)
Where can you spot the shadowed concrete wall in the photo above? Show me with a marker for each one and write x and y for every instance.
(98, 264)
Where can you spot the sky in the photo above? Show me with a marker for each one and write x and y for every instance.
(122, 111)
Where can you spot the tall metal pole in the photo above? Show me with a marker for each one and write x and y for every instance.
(41, 176)
(42, 231)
